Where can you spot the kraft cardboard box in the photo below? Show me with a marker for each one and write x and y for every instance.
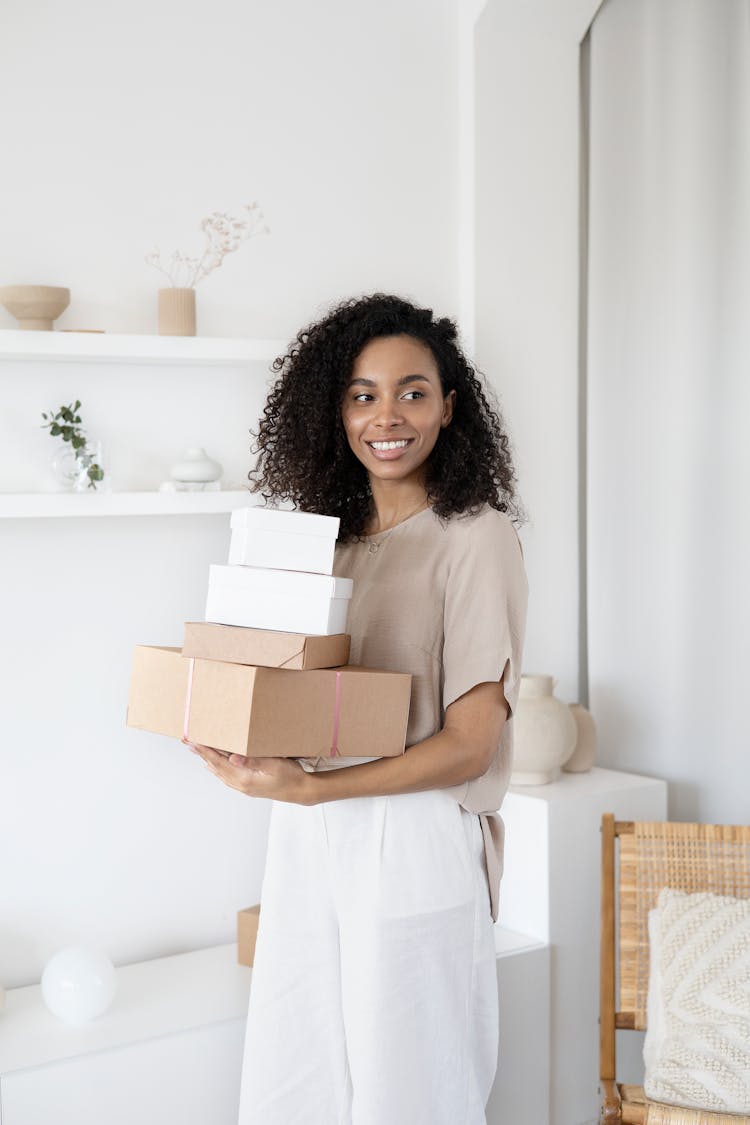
(247, 934)
(283, 540)
(237, 644)
(270, 712)
(285, 601)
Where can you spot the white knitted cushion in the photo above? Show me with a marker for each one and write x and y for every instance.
(697, 1047)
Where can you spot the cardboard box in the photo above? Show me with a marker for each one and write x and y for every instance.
(269, 537)
(270, 712)
(287, 601)
(247, 934)
(236, 644)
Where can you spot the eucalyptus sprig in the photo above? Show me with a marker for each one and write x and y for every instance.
(66, 423)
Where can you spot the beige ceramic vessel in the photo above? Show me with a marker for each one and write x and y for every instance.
(584, 755)
(35, 307)
(544, 732)
(176, 312)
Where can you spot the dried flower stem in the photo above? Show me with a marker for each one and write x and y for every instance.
(223, 234)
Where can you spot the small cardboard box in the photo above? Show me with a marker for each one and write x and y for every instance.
(269, 537)
(286, 601)
(270, 712)
(247, 934)
(236, 644)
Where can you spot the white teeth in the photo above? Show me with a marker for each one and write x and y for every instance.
(389, 444)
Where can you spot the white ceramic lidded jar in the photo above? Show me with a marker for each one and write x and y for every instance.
(196, 467)
(544, 732)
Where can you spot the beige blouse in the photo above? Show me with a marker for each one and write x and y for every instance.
(445, 600)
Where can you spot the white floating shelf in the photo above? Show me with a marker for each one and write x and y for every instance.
(110, 348)
(38, 505)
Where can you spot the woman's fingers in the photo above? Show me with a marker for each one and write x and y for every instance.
(281, 778)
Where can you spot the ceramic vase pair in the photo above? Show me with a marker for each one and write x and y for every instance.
(549, 735)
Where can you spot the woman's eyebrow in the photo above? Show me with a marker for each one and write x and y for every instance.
(361, 382)
(412, 379)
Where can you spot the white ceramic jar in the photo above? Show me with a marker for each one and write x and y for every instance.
(544, 732)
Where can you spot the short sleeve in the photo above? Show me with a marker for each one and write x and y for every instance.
(486, 599)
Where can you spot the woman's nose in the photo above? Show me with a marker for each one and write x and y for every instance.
(388, 413)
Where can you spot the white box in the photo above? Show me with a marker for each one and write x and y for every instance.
(269, 537)
(287, 600)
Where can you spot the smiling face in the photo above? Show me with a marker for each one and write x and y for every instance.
(393, 409)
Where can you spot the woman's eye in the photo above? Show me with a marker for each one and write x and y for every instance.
(363, 397)
(414, 394)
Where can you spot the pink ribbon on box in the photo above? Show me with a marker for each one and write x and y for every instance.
(188, 697)
(336, 718)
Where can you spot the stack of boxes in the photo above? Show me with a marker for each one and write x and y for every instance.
(266, 674)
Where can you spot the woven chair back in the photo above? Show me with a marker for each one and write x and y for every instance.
(686, 857)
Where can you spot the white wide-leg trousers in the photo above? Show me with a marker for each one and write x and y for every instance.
(374, 994)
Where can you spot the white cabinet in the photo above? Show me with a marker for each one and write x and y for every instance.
(520, 1093)
(168, 1050)
(550, 890)
(188, 1077)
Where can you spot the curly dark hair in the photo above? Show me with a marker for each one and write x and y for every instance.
(303, 453)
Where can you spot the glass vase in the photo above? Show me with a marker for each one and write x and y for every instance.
(80, 470)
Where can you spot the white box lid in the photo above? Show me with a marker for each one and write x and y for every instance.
(288, 583)
(290, 523)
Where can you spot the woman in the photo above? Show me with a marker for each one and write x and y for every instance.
(374, 996)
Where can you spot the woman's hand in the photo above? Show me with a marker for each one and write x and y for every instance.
(281, 779)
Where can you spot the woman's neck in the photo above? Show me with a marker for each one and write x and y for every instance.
(394, 504)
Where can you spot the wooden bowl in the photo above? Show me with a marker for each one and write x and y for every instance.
(35, 307)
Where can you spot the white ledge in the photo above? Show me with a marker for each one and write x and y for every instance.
(106, 347)
(41, 505)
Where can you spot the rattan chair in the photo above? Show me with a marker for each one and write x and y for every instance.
(640, 859)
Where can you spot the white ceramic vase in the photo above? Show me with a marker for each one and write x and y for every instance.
(544, 732)
(584, 755)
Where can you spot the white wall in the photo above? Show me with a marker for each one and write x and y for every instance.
(125, 130)
(526, 278)
(526, 282)
(669, 350)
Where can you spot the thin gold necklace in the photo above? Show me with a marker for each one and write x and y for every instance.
(374, 546)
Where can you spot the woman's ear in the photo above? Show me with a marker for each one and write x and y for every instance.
(448, 404)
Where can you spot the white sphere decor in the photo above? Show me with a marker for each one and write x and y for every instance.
(78, 984)
(544, 732)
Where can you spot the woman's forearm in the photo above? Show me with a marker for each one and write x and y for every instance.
(462, 750)
(438, 762)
